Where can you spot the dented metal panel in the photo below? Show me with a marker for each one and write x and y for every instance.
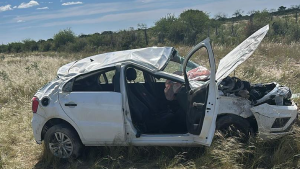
(241, 53)
(235, 105)
(266, 115)
(155, 56)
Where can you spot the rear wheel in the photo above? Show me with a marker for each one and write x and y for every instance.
(63, 142)
(234, 126)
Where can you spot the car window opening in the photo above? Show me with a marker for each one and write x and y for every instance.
(151, 111)
(96, 81)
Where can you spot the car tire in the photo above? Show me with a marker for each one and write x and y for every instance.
(234, 126)
(63, 142)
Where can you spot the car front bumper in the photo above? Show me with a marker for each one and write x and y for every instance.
(274, 121)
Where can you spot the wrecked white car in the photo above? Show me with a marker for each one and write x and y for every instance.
(129, 98)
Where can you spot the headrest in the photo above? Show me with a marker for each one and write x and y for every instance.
(130, 74)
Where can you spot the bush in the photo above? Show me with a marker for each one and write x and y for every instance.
(63, 38)
(15, 47)
(29, 45)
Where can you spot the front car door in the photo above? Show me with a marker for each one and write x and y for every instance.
(203, 103)
(94, 102)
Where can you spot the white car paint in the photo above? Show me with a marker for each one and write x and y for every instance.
(241, 53)
(266, 114)
(154, 56)
(235, 105)
(212, 103)
(96, 113)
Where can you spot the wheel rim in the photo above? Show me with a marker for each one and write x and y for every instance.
(61, 145)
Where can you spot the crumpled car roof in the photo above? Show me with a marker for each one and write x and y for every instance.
(154, 56)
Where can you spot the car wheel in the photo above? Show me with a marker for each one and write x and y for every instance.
(234, 126)
(63, 142)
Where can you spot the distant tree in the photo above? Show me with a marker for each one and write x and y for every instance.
(63, 37)
(106, 33)
(3, 48)
(44, 46)
(195, 22)
(221, 16)
(296, 8)
(108, 36)
(15, 47)
(238, 13)
(83, 36)
(236, 16)
(30, 45)
(164, 26)
(143, 26)
(215, 23)
(78, 45)
(281, 9)
(260, 19)
(95, 40)
(251, 15)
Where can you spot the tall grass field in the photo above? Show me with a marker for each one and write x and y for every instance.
(22, 74)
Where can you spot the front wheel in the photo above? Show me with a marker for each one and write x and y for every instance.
(63, 142)
(234, 126)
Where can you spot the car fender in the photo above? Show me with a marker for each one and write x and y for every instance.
(235, 105)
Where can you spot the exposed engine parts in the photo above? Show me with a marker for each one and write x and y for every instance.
(271, 93)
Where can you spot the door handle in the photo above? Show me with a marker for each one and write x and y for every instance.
(71, 104)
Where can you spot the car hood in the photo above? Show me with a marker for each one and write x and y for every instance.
(241, 53)
(154, 56)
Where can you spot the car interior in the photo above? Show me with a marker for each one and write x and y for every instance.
(151, 112)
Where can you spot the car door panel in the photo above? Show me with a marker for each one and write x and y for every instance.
(98, 115)
(202, 101)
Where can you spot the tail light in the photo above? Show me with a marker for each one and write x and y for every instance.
(35, 104)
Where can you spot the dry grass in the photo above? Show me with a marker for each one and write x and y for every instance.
(21, 75)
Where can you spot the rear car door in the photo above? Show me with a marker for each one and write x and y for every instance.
(202, 96)
(94, 102)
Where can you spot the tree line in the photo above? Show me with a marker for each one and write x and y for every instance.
(190, 27)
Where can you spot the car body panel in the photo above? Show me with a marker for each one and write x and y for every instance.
(98, 115)
(235, 105)
(212, 104)
(37, 123)
(241, 53)
(156, 57)
(266, 115)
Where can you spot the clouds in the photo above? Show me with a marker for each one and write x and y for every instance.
(23, 5)
(42, 8)
(5, 8)
(144, 16)
(28, 5)
(72, 3)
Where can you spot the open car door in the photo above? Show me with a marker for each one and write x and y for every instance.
(202, 97)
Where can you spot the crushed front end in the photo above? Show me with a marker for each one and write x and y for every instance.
(271, 105)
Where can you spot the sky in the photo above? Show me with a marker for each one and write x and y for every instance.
(41, 19)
